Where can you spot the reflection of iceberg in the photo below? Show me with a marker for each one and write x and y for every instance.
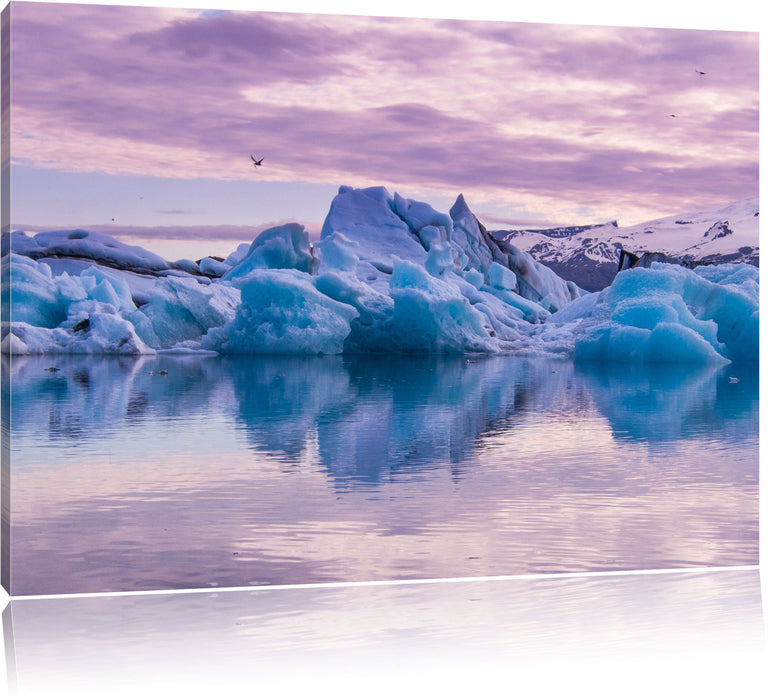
(94, 398)
(192, 471)
(279, 401)
(389, 275)
(415, 415)
(664, 403)
(376, 416)
(369, 418)
(460, 638)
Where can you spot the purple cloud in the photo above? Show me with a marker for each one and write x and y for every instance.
(569, 116)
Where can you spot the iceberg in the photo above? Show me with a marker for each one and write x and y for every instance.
(671, 314)
(105, 334)
(433, 316)
(90, 245)
(36, 299)
(280, 247)
(282, 313)
(183, 310)
(388, 275)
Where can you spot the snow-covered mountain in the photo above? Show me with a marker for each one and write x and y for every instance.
(590, 255)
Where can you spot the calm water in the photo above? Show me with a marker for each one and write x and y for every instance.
(250, 471)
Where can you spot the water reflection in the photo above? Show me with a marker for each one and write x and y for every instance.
(372, 417)
(664, 403)
(462, 637)
(186, 472)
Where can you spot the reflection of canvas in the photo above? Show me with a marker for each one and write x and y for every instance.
(477, 634)
(363, 385)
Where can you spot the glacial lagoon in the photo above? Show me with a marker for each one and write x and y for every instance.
(170, 472)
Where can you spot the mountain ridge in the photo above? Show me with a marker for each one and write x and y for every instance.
(589, 255)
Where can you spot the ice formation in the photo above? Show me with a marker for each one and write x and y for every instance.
(389, 274)
(91, 245)
(669, 313)
(281, 312)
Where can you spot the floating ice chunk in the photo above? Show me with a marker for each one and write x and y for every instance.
(670, 314)
(38, 299)
(649, 312)
(106, 334)
(665, 343)
(280, 247)
(13, 345)
(281, 312)
(30, 294)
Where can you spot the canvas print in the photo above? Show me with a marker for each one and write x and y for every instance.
(306, 298)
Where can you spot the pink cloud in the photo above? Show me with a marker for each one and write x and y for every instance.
(572, 113)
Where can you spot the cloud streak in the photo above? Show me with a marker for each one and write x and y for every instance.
(551, 118)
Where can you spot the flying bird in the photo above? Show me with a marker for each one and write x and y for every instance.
(700, 72)
(671, 115)
(256, 163)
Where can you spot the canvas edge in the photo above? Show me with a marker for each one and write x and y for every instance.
(5, 223)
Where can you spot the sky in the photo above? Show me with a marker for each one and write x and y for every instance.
(141, 121)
